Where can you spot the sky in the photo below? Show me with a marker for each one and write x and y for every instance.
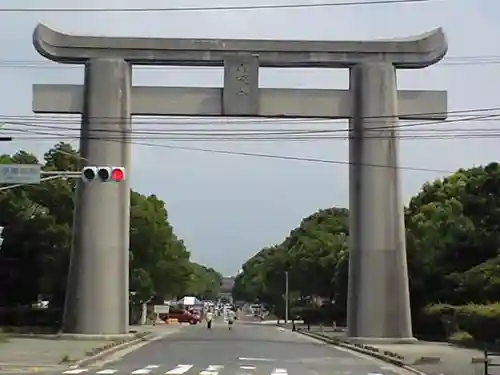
(227, 207)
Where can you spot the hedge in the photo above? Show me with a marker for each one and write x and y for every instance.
(482, 322)
(326, 314)
(29, 316)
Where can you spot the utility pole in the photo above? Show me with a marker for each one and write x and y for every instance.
(286, 297)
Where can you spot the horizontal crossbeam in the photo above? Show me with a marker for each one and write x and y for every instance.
(414, 52)
(280, 103)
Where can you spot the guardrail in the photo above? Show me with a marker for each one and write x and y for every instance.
(488, 360)
(319, 328)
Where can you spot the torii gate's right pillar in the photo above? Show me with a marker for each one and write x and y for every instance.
(378, 298)
(378, 301)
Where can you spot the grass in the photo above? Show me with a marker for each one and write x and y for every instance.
(4, 338)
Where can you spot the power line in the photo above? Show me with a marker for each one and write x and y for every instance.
(262, 155)
(284, 157)
(268, 156)
(479, 114)
(238, 134)
(260, 134)
(216, 8)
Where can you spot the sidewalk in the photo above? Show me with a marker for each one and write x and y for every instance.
(432, 358)
(33, 354)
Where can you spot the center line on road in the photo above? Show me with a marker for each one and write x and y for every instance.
(106, 372)
(256, 359)
(76, 371)
(247, 367)
(179, 370)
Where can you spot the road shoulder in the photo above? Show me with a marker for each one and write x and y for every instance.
(422, 357)
(40, 353)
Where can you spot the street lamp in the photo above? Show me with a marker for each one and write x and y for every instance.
(286, 297)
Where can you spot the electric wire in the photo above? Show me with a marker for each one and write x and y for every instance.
(480, 114)
(405, 131)
(217, 8)
(261, 155)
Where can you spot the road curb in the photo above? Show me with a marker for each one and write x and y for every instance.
(356, 348)
(106, 352)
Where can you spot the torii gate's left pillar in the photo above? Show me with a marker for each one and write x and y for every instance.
(99, 271)
(97, 294)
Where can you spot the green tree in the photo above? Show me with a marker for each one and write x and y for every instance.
(204, 283)
(38, 221)
(313, 251)
(453, 243)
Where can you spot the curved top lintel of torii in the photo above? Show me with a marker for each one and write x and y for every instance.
(415, 52)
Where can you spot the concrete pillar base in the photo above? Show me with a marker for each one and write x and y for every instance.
(381, 340)
(83, 337)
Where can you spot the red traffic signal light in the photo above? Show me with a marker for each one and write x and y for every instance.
(117, 174)
(103, 174)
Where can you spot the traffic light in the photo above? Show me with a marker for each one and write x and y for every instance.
(103, 174)
(1, 238)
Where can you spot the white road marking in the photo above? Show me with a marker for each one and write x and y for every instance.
(107, 371)
(256, 359)
(152, 366)
(279, 371)
(179, 370)
(374, 373)
(141, 371)
(76, 371)
(212, 370)
(247, 367)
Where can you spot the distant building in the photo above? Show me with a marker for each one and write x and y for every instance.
(227, 284)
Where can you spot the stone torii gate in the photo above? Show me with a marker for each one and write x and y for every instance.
(378, 300)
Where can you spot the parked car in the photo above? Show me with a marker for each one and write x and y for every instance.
(184, 316)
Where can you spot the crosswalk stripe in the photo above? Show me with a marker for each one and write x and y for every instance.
(141, 371)
(179, 370)
(212, 370)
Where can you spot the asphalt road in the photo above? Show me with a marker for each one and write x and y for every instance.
(249, 349)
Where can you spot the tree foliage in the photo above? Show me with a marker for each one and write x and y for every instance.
(453, 243)
(38, 225)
